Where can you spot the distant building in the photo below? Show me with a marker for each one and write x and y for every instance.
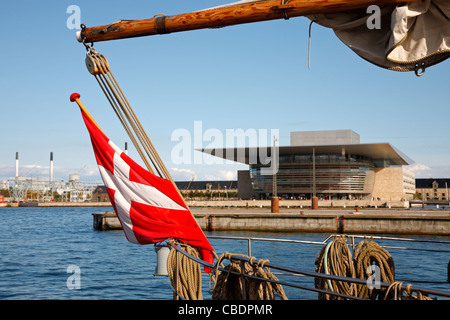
(4, 185)
(203, 188)
(214, 189)
(329, 164)
(100, 194)
(433, 189)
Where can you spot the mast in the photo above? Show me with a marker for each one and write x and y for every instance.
(222, 17)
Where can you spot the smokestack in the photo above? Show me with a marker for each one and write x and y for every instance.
(17, 164)
(126, 148)
(51, 167)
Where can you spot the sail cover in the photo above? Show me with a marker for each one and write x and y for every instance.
(149, 208)
(410, 37)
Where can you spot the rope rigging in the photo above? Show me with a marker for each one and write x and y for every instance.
(98, 66)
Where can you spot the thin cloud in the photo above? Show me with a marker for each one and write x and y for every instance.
(222, 175)
(424, 171)
(182, 174)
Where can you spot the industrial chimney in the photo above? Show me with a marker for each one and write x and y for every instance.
(51, 167)
(17, 165)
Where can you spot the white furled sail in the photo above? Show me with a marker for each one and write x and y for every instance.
(410, 37)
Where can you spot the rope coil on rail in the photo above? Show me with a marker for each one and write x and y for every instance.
(369, 253)
(335, 259)
(244, 279)
(229, 286)
(184, 273)
(395, 292)
(185, 277)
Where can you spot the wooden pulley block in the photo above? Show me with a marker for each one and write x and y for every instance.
(96, 63)
(91, 65)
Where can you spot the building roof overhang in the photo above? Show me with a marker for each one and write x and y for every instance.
(253, 155)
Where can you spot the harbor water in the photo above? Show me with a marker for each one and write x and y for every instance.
(54, 253)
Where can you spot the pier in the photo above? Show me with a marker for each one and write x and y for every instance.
(327, 220)
(371, 217)
(338, 220)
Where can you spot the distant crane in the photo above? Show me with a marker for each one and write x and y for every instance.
(192, 179)
(82, 169)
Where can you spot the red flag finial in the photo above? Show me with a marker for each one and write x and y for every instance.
(74, 96)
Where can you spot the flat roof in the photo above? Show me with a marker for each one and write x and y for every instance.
(201, 185)
(428, 182)
(375, 151)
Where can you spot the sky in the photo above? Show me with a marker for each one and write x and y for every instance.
(251, 77)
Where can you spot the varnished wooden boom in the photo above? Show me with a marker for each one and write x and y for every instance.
(221, 17)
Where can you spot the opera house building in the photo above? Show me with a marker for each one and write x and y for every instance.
(324, 164)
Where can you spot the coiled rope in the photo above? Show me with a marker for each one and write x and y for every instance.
(335, 259)
(186, 281)
(229, 286)
(395, 292)
(369, 253)
(184, 273)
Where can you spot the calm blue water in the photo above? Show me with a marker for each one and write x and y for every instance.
(37, 245)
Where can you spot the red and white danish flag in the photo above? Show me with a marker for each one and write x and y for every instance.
(149, 208)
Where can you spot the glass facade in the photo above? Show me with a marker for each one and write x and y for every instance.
(336, 177)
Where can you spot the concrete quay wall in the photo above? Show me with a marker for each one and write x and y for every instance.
(374, 221)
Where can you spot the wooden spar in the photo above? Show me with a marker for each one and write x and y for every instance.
(222, 17)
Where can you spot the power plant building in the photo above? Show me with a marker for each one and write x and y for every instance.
(32, 189)
(327, 164)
